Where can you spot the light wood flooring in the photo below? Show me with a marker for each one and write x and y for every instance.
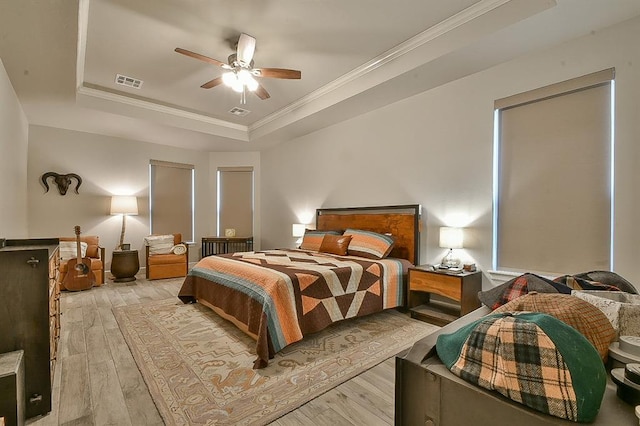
(97, 381)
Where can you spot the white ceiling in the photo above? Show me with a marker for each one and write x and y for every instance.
(62, 57)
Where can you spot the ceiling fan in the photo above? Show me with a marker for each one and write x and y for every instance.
(240, 75)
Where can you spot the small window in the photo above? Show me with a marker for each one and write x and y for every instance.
(235, 201)
(171, 198)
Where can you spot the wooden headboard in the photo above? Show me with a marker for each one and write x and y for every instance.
(402, 222)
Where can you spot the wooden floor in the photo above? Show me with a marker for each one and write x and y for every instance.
(98, 383)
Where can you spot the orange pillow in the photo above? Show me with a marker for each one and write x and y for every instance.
(313, 239)
(335, 244)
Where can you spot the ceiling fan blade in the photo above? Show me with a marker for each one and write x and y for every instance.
(262, 93)
(213, 83)
(246, 48)
(277, 73)
(201, 57)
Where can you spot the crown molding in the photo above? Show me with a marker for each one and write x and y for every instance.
(151, 106)
(428, 35)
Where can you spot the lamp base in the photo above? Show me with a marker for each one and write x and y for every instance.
(449, 261)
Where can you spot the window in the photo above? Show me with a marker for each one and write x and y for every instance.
(235, 201)
(171, 198)
(553, 181)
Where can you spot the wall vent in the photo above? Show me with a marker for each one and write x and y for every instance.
(240, 112)
(128, 81)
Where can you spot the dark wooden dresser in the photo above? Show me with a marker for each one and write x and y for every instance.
(30, 314)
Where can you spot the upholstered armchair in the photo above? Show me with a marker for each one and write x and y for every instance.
(93, 251)
(166, 257)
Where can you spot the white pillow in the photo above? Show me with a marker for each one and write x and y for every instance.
(179, 249)
(159, 244)
(69, 250)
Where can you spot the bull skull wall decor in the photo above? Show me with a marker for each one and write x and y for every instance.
(62, 181)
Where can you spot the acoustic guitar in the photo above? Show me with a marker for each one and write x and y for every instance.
(79, 274)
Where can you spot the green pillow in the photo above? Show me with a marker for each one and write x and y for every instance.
(510, 352)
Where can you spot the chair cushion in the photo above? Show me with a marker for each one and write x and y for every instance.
(93, 244)
(165, 259)
(96, 265)
(160, 244)
(69, 250)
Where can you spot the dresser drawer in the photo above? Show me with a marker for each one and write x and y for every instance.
(445, 285)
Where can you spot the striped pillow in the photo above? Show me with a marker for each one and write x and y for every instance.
(369, 244)
(313, 239)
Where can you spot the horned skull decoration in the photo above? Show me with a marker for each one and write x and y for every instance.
(62, 181)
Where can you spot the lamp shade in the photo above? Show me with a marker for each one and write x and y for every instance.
(124, 204)
(451, 238)
(297, 229)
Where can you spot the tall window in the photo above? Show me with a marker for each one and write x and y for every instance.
(235, 201)
(171, 198)
(553, 181)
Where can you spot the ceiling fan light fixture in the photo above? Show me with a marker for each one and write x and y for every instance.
(251, 84)
(238, 86)
(229, 78)
(247, 79)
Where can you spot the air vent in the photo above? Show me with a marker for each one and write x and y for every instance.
(239, 111)
(128, 81)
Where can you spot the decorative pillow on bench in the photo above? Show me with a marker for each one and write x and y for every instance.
(69, 250)
(159, 244)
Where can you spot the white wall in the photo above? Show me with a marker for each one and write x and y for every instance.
(107, 166)
(436, 149)
(14, 132)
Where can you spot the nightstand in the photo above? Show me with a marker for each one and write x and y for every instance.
(456, 294)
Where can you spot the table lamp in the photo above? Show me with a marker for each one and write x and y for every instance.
(297, 230)
(124, 205)
(451, 238)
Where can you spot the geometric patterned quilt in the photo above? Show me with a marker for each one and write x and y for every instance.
(280, 296)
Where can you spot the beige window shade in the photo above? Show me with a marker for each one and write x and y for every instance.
(235, 200)
(172, 198)
(554, 179)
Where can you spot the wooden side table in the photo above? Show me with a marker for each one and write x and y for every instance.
(125, 265)
(459, 289)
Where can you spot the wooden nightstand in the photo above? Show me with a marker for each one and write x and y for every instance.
(460, 291)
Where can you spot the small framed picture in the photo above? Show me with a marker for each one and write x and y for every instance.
(126, 247)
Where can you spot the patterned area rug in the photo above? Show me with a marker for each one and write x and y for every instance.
(198, 366)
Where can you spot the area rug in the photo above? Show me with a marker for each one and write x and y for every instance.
(198, 366)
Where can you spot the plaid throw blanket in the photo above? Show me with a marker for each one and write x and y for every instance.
(494, 343)
(526, 283)
(531, 358)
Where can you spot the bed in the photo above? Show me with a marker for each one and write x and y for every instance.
(279, 296)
